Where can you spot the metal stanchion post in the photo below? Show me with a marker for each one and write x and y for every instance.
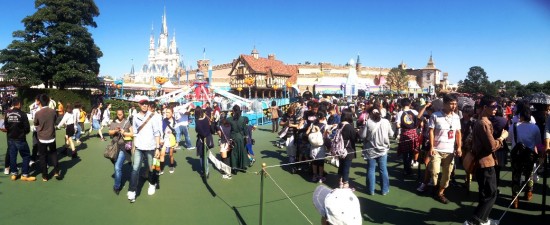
(263, 174)
(205, 158)
(544, 187)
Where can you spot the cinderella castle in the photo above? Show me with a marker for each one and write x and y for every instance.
(163, 60)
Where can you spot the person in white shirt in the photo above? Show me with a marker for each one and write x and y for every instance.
(76, 116)
(70, 129)
(181, 114)
(147, 145)
(444, 134)
(106, 120)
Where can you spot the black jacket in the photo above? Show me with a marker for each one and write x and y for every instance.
(17, 124)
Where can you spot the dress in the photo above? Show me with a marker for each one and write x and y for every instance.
(239, 157)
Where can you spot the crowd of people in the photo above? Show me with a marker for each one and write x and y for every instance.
(435, 133)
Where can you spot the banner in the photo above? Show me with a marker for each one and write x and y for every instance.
(219, 164)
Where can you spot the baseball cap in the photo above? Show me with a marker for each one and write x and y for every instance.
(141, 99)
(340, 206)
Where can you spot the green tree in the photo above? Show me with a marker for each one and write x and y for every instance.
(546, 87)
(531, 88)
(55, 47)
(397, 79)
(496, 88)
(512, 88)
(476, 82)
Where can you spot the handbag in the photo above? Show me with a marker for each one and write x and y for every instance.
(469, 162)
(111, 151)
(315, 137)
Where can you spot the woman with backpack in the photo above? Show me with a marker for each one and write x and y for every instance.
(524, 136)
(407, 122)
(348, 134)
(376, 144)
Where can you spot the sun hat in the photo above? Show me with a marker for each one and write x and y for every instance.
(340, 206)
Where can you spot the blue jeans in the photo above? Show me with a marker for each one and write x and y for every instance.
(118, 168)
(78, 132)
(184, 130)
(137, 160)
(382, 162)
(345, 165)
(22, 147)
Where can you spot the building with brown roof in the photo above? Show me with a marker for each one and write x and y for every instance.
(269, 76)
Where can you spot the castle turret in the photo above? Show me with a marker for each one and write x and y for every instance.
(358, 65)
(163, 38)
(430, 64)
(255, 53)
(151, 45)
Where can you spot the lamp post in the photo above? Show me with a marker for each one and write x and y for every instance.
(239, 89)
(275, 87)
(187, 74)
(288, 86)
(161, 81)
(249, 81)
(284, 91)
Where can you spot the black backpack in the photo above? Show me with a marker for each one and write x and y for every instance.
(520, 152)
(408, 120)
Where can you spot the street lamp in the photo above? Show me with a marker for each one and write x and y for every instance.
(275, 87)
(288, 86)
(249, 81)
(239, 89)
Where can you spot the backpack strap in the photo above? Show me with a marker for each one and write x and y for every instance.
(143, 124)
(515, 133)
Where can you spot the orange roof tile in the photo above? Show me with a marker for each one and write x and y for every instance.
(262, 65)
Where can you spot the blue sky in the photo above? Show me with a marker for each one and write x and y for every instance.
(509, 39)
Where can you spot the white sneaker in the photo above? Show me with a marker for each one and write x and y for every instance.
(225, 176)
(31, 163)
(414, 165)
(152, 189)
(161, 172)
(421, 188)
(131, 196)
(191, 148)
(171, 169)
(6, 171)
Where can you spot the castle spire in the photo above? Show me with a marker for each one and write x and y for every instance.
(164, 25)
(430, 64)
(255, 53)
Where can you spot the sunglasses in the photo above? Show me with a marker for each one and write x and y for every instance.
(493, 106)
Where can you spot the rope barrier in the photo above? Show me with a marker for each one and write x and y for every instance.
(311, 160)
(276, 184)
(519, 192)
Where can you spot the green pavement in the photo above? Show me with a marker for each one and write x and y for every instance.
(85, 195)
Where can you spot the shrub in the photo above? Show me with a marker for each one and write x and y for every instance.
(28, 96)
